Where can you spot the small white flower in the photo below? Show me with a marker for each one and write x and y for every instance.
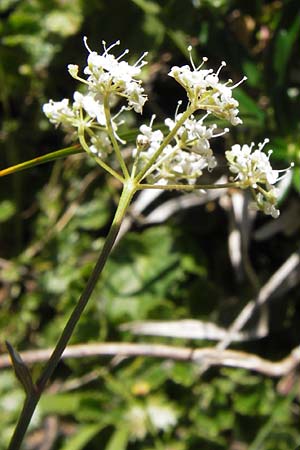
(108, 74)
(163, 417)
(59, 112)
(267, 202)
(136, 419)
(100, 145)
(251, 167)
(73, 70)
(205, 91)
(253, 170)
(91, 106)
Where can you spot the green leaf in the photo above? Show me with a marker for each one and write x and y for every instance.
(283, 48)
(82, 437)
(93, 215)
(148, 6)
(296, 179)
(184, 374)
(21, 370)
(64, 23)
(179, 38)
(66, 403)
(119, 440)
(252, 72)
(7, 210)
(248, 107)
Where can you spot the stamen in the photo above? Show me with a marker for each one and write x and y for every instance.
(221, 133)
(204, 117)
(190, 48)
(122, 54)
(238, 83)
(204, 60)
(223, 64)
(285, 170)
(179, 103)
(152, 120)
(119, 112)
(86, 44)
(106, 50)
(141, 60)
(261, 145)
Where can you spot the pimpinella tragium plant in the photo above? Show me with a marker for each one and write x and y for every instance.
(171, 160)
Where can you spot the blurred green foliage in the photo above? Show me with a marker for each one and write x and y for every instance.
(54, 219)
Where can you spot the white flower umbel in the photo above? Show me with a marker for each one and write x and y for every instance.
(253, 170)
(205, 90)
(174, 159)
(108, 77)
(85, 112)
(184, 158)
(60, 112)
(112, 76)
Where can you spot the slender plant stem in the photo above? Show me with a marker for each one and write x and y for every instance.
(188, 187)
(42, 160)
(32, 399)
(98, 160)
(113, 139)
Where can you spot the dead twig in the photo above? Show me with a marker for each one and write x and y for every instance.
(269, 288)
(204, 356)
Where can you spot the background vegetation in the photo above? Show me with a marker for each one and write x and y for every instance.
(54, 219)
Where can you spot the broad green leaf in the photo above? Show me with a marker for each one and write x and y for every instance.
(7, 210)
(252, 72)
(119, 439)
(180, 40)
(66, 403)
(296, 179)
(82, 437)
(183, 374)
(249, 110)
(148, 6)
(5, 4)
(64, 23)
(93, 215)
(283, 48)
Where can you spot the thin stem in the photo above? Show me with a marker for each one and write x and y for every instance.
(33, 398)
(113, 139)
(164, 143)
(98, 160)
(63, 153)
(160, 161)
(187, 187)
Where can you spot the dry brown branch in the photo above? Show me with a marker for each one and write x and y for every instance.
(203, 356)
(188, 329)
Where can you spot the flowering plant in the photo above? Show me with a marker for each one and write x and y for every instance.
(174, 160)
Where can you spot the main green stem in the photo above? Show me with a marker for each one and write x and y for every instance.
(32, 400)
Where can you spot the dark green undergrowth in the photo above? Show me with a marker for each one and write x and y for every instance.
(54, 219)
